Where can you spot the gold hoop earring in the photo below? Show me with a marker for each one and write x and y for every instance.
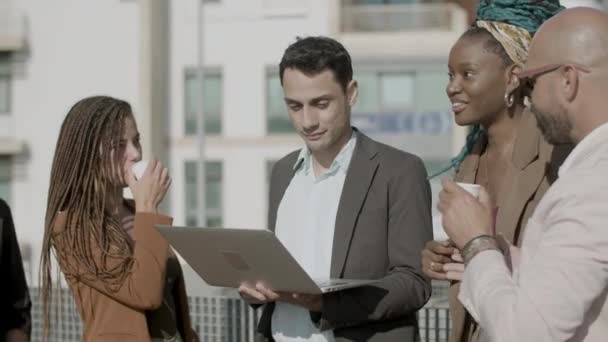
(509, 100)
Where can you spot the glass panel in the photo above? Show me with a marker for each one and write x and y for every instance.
(5, 179)
(368, 99)
(5, 94)
(190, 177)
(397, 91)
(278, 119)
(214, 185)
(368, 2)
(430, 91)
(213, 195)
(214, 222)
(269, 166)
(191, 89)
(214, 170)
(212, 102)
(382, 2)
(191, 220)
(395, 2)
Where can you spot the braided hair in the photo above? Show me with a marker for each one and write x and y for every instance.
(85, 171)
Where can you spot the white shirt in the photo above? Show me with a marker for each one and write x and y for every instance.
(558, 290)
(305, 224)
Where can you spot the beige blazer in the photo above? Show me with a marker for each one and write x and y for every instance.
(534, 169)
(119, 314)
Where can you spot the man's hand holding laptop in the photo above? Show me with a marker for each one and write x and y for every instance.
(262, 295)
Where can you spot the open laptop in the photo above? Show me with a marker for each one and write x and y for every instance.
(230, 257)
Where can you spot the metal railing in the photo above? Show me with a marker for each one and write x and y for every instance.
(217, 318)
(402, 17)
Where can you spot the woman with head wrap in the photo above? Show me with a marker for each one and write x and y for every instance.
(505, 151)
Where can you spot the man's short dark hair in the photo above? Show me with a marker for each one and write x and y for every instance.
(313, 55)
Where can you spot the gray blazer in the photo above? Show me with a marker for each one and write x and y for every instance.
(382, 224)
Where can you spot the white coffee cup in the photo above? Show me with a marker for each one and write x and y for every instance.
(473, 189)
(438, 230)
(139, 168)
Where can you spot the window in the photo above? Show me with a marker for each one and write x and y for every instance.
(5, 178)
(385, 91)
(276, 110)
(212, 101)
(398, 101)
(382, 2)
(405, 106)
(213, 195)
(5, 83)
(285, 7)
(5, 94)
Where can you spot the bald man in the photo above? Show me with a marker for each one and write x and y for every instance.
(557, 287)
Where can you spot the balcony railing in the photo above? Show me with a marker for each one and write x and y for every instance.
(214, 318)
(402, 17)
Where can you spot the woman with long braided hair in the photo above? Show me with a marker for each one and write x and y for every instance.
(126, 282)
(505, 151)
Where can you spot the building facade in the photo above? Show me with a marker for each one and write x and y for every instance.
(148, 52)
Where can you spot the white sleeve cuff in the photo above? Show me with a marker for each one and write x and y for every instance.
(473, 279)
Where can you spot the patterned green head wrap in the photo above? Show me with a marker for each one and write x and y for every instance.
(527, 14)
(512, 22)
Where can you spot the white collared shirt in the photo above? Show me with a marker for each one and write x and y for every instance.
(305, 224)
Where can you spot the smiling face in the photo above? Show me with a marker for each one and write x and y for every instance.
(477, 82)
(319, 108)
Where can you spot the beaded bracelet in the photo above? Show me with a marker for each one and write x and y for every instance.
(476, 245)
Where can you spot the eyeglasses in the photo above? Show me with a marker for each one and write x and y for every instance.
(527, 79)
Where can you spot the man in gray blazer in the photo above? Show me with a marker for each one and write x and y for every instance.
(345, 206)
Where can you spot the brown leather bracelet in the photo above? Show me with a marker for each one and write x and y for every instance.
(476, 245)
